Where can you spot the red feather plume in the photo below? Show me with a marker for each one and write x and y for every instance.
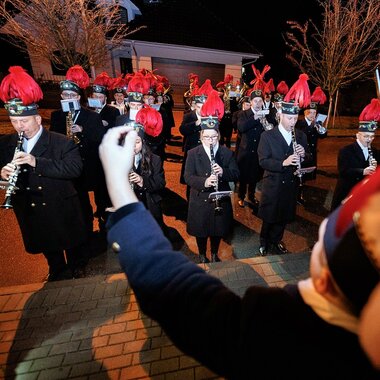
(282, 88)
(371, 112)
(151, 120)
(139, 84)
(258, 82)
(213, 106)
(77, 75)
(103, 79)
(19, 84)
(299, 92)
(318, 96)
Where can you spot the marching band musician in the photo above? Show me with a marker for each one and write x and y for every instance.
(99, 89)
(119, 87)
(45, 202)
(280, 153)
(359, 159)
(147, 176)
(88, 127)
(313, 129)
(191, 124)
(209, 167)
(250, 127)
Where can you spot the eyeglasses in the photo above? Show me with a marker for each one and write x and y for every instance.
(69, 95)
(210, 137)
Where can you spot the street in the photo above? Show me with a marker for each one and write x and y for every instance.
(18, 267)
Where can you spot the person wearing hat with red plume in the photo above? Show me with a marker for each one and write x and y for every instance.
(98, 100)
(316, 319)
(45, 202)
(359, 159)
(119, 87)
(281, 151)
(191, 124)
(210, 167)
(250, 126)
(314, 131)
(147, 176)
(274, 114)
(88, 129)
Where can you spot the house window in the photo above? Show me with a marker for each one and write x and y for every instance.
(123, 15)
(126, 65)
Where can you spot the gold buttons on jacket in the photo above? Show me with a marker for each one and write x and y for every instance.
(33, 205)
(39, 187)
(115, 247)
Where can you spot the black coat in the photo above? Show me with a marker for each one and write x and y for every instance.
(47, 205)
(153, 184)
(190, 131)
(280, 185)
(247, 157)
(202, 220)
(108, 115)
(312, 136)
(351, 163)
(91, 137)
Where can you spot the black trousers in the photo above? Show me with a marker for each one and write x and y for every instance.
(243, 189)
(271, 233)
(202, 244)
(76, 257)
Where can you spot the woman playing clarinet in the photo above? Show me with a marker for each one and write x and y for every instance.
(209, 169)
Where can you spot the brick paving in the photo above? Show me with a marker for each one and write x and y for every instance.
(92, 328)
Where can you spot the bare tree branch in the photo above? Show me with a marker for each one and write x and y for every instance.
(343, 49)
(81, 31)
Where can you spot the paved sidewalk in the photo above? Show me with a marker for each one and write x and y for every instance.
(92, 328)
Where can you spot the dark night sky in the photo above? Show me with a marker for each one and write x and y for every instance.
(263, 28)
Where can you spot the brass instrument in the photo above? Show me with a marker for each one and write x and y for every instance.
(69, 126)
(264, 122)
(11, 185)
(320, 128)
(226, 98)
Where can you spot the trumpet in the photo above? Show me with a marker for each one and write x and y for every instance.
(11, 185)
(320, 128)
(263, 120)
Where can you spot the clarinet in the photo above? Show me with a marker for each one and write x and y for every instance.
(371, 159)
(11, 186)
(298, 172)
(218, 207)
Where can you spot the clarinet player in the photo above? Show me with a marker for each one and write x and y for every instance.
(45, 202)
(204, 175)
(359, 159)
(280, 151)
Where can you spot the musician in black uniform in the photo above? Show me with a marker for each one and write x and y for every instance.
(280, 153)
(314, 130)
(250, 126)
(45, 203)
(88, 129)
(355, 161)
(210, 167)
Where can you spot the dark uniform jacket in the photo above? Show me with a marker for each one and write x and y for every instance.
(190, 131)
(247, 157)
(202, 220)
(153, 184)
(90, 139)
(109, 115)
(312, 135)
(351, 163)
(280, 185)
(46, 204)
(269, 333)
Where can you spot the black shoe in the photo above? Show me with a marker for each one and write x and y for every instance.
(263, 250)
(79, 272)
(203, 259)
(301, 201)
(215, 258)
(280, 248)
